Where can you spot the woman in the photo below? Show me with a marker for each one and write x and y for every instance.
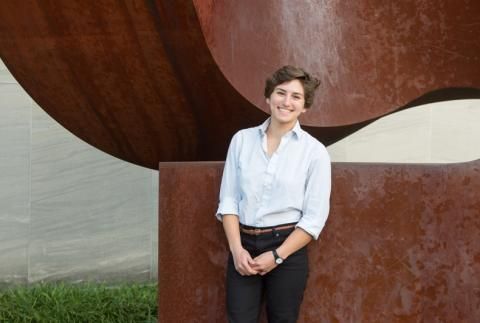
(274, 199)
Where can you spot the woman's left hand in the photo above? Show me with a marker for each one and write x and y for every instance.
(264, 263)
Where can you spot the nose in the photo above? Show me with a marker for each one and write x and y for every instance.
(286, 100)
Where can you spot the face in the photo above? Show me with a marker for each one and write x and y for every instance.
(287, 102)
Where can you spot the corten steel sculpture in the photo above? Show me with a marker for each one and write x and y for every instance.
(401, 245)
(150, 81)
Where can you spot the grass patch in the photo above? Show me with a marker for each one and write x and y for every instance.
(90, 302)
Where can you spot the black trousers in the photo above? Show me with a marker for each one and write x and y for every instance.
(282, 287)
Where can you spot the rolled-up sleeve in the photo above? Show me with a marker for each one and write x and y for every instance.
(229, 190)
(316, 204)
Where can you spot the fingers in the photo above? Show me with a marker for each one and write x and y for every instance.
(246, 270)
(261, 270)
(250, 266)
(264, 263)
(245, 263)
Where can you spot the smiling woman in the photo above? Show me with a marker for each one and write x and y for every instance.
(287, 103)
(274, 199)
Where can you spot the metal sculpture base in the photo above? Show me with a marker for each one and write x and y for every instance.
(401, 245)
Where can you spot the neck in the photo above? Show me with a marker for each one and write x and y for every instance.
(277, 130)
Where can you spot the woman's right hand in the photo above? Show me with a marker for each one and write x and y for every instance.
(243, 262)
(241, 258)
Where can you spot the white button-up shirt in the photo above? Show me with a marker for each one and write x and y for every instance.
(293, 185)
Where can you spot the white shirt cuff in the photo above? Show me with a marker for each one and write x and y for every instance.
(227, 206)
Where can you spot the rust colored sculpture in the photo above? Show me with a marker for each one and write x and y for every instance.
(373, 56)
(159, 80)
(142, 81)
(401, 245)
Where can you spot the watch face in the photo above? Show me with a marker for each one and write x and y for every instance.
(279, 261)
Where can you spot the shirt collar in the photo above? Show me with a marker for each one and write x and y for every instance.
(263, 127)
(297, 130)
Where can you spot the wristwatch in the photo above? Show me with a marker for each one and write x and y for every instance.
(278, 259)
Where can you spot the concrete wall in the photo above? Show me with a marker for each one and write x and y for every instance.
(67, 210)
(443, 132)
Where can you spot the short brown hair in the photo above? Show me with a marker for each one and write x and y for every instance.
(288, 73)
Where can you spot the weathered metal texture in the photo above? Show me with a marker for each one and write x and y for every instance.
(401, 245)
(134, 79)
(137, 79)
(372, 56)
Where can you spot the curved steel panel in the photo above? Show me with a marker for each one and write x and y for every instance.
(134, 79)
(372, 56)
(138, 81)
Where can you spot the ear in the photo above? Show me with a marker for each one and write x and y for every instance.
(304, 110)
(268, 101)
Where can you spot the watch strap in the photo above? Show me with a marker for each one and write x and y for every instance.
(278, 259)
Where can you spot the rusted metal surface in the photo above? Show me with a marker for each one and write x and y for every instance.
(401, 245)
(134, 79)
(137, 79)
(372, 56)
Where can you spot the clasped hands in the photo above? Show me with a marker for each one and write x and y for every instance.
(248, 266)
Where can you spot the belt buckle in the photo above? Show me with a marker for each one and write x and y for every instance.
(257, 231)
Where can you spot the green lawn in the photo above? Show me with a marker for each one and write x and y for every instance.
(64, 303)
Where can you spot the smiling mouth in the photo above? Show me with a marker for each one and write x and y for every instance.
(285, 109)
